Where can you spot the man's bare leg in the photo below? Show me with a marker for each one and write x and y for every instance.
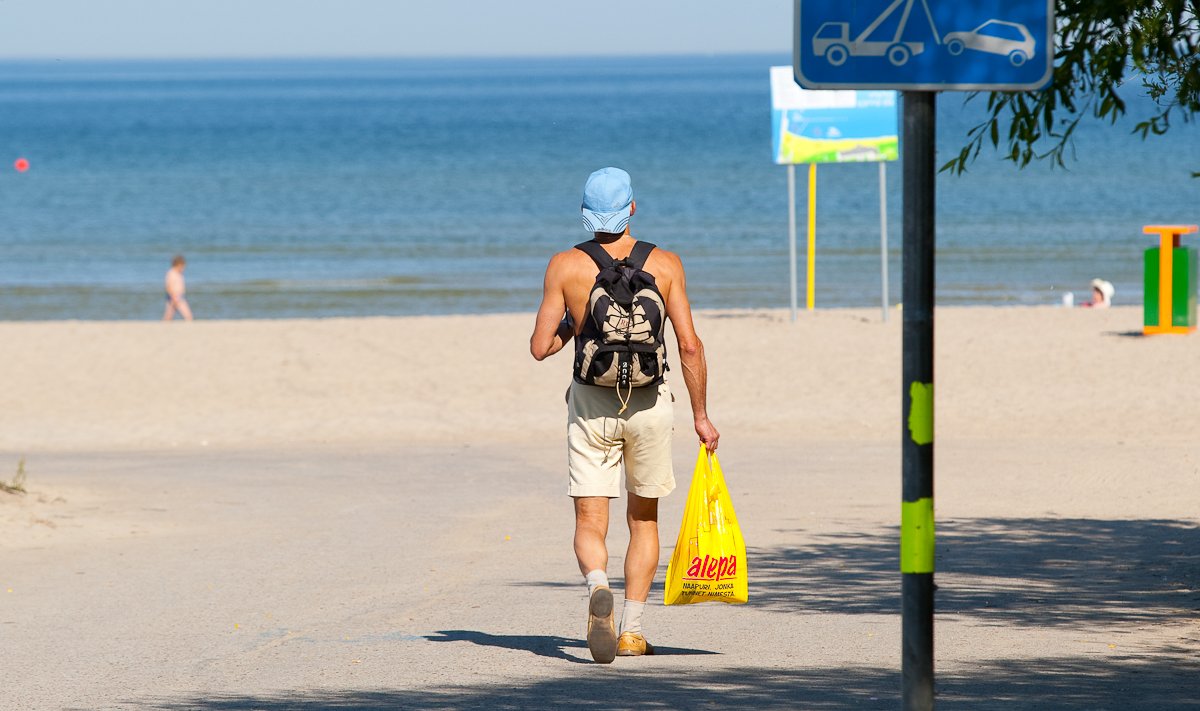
(591, 529)
(641, 560)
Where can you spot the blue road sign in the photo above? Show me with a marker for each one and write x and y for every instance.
(989, 45)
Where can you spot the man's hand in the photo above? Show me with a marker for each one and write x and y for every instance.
(707, 433)
(566, 329)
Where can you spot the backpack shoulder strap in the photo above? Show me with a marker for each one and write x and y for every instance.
(597, 253)
(639, 255)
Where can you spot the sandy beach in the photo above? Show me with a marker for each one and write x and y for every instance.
(370, 513)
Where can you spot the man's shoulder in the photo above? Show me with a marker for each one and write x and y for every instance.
(665, 253)
(568, 257)
(664, 259)
(568, 262)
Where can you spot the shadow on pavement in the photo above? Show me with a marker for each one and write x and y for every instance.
(1020, 571)
(1027, 572)
(1069, 573)
(542, 645)
(1094, 683)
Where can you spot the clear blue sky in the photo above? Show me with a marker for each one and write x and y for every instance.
(374, 28)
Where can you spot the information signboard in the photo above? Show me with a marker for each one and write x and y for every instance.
(830, 126)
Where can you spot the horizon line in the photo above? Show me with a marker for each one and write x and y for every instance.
(376, 57)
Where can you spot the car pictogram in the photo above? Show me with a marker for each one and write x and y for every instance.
(1010, 39)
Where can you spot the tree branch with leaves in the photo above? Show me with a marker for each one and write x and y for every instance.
(1103, 48)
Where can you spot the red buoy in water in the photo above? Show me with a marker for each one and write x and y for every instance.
(21, 165)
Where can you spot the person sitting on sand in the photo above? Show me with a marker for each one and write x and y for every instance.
(1102, 293)
(175, 291)
(630, 424)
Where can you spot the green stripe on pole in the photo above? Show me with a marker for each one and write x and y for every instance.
(916, 536)
(920, 413)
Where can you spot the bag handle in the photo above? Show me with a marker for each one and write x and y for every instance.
(709, 459)
(712, 490)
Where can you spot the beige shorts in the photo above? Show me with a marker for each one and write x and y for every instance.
(599, 441)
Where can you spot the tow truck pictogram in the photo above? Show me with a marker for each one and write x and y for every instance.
(832, 40)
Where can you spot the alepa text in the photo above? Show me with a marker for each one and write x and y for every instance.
(711, 568)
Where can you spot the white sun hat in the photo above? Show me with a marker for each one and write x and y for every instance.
(1104, 287)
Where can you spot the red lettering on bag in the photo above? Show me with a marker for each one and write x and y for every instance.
(728, 567)
(710, 568)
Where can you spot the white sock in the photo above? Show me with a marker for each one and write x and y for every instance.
(596, 579)
(631, 616)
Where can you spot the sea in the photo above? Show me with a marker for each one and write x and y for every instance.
(306, 188)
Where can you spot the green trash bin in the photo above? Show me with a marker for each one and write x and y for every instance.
(1183, 287)
(1171, 271)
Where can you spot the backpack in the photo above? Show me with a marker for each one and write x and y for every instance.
(621, 342)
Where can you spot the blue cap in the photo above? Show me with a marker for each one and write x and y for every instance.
(607, 199)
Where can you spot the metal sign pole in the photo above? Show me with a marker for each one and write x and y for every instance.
(916, 517)
(792, 231)
(883, 237)
(834, 46)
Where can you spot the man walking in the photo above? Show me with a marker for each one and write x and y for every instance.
(176, 289)
(610, 294)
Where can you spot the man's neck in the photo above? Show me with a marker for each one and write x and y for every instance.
(609, 238)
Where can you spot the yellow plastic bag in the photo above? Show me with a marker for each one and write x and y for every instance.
(709, 563)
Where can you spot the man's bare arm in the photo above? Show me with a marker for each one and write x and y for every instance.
(553, 328)
(691, 357)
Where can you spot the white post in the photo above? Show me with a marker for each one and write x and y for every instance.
(792, 231)
(883, 237)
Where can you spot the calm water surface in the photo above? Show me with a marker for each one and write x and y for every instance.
(329, 188)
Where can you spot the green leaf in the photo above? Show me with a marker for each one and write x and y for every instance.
(1102, 48)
